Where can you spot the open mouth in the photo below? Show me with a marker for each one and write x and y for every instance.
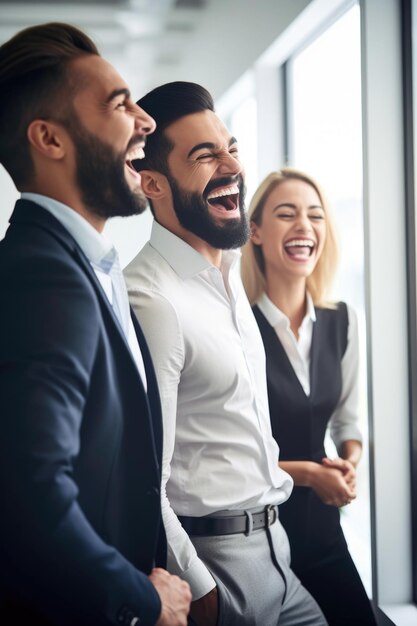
(225, 199)
(299, 249)
(134, 154)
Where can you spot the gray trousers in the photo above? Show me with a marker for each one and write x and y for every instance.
(251, 588)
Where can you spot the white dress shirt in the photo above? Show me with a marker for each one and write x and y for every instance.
(343, 423)
(219, 452)
(98, 250)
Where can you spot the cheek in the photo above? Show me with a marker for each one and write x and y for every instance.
(323, 236)
(122, 130)
(322, 241)
(271, 246)
(194, 180)
(274, 234)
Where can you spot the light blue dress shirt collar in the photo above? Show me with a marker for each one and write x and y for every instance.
(102, 255)
(97, 248)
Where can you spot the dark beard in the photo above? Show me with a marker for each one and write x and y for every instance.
(101, 176)
(193, 214)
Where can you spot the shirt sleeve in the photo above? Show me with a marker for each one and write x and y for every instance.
(163, 333)
(344, 421)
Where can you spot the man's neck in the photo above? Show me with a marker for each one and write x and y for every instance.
(213, 255)
(73, 202)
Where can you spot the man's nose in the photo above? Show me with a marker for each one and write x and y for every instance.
(229, 164)
(144, 123)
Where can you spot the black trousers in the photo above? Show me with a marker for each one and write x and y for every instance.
(321, 560)
(338, 589)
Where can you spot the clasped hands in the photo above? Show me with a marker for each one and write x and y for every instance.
(334, 481)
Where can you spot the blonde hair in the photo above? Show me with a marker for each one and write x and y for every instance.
(253, 265)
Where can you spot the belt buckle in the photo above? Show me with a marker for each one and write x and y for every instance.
(270, 515)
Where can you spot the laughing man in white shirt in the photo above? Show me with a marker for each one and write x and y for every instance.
(221, 481)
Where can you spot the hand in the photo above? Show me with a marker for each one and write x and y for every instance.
(346, 467)
(204, 611)
(330, 485)
(175, 597)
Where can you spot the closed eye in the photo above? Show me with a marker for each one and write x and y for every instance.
(203, 157)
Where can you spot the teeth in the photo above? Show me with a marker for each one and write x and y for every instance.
(136, 153)
(300, 242)
(226, 191)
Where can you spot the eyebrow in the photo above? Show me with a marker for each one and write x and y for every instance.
(209, 146)
(289, 205)
(118, 92)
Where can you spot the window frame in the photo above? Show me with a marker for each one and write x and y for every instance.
(409, 51)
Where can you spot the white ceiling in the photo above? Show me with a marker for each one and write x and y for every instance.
(136, 34)
(151, 42)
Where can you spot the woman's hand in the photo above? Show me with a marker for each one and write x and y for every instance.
(334, 481)
(346, 467)
(330, 484)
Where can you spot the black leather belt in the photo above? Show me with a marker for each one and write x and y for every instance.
(244, 522)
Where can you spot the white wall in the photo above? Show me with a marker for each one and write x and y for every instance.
(230, 37)
(8, 196)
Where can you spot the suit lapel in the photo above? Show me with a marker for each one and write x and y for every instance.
(153, 392)
(27, 211)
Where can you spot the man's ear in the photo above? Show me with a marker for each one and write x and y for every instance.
(46, 138)
(255, 234)
(154, 184)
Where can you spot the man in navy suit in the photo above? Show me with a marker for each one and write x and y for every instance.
(81, 539)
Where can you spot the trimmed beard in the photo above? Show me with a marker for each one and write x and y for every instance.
(193, 213)
(101, 178)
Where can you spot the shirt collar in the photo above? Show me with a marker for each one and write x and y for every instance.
(276, 317)
(311, 311)
(182, 257)
(97, 248)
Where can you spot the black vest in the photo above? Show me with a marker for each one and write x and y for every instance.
(299, 425)
(298, 421)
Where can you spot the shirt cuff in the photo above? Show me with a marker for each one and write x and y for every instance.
(199, 579)
(344, 434)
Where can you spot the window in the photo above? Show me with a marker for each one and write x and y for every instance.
(325, 140)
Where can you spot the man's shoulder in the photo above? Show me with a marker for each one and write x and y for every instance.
(151, 272)
(31, 245)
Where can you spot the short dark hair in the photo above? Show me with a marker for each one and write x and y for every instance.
(167, 104)
(36, 82)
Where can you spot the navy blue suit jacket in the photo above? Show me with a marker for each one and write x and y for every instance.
(80, 440)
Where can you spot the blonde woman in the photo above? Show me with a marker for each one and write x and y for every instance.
(312, 365)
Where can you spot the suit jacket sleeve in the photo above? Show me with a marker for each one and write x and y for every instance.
(48, 345)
